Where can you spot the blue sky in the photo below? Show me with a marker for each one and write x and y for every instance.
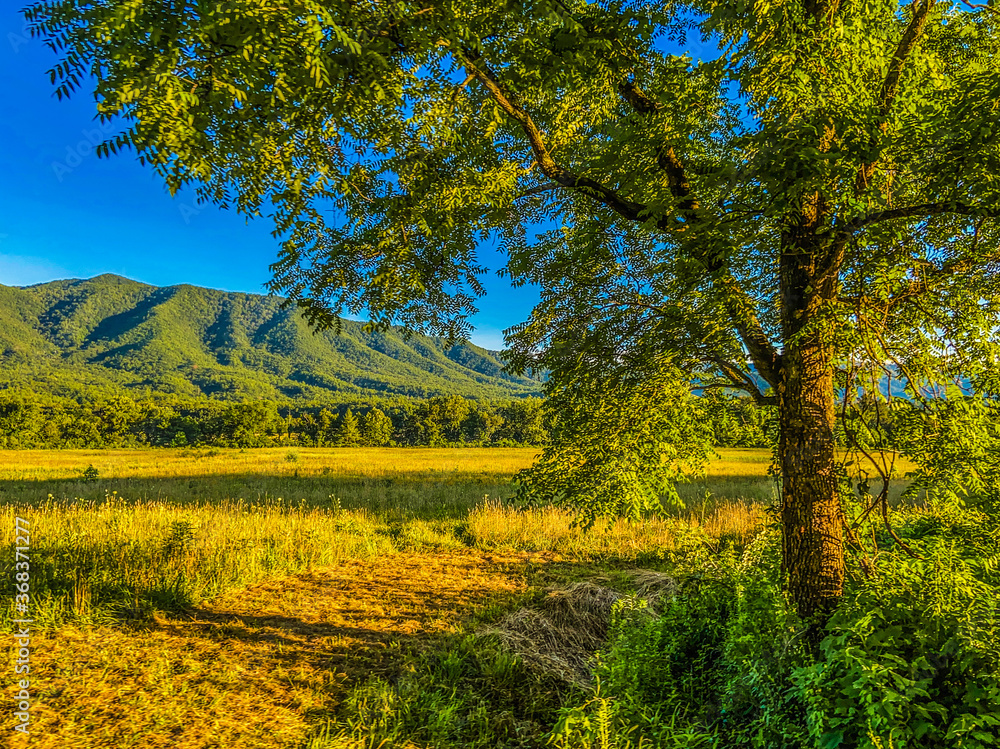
(65, 213)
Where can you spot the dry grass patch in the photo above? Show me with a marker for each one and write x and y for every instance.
(560, 635)
(103, 687)
(363, 613)
(257, 667)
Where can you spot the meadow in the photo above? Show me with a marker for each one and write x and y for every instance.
(329, 597)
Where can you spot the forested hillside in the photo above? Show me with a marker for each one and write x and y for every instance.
(81, 339)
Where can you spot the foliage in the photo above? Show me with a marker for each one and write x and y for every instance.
(912, 658)
(707, 667)
(678, 188)
(376, 428)
(438, 421)
(470, 693)
(820, 197)
(618, 443)
(348, 433)
(737, 421)
(909, 660)
(956, 442)
(169, 422)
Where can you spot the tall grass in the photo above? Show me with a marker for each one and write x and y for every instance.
(114, 559)
(119, 534)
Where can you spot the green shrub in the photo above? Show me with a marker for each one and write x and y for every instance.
(710, 667)
(468, 694)
(911, 659)
(913, 655)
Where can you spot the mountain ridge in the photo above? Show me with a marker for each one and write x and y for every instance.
(65, 338)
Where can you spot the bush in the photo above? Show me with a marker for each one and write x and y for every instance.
(910, 660)
(708, 667)
(913, 655)
(468, 694)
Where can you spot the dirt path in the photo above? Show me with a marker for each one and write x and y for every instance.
(257, 667)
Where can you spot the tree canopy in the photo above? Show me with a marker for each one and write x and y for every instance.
(816, 197)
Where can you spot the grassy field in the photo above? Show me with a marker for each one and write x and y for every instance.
(197, 598)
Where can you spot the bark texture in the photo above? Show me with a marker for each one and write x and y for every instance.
(813, 541)
(813, 544)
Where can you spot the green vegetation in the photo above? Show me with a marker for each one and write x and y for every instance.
(380, 600)
(619, 445)
(811, 218)
(28, 420)
(122, 422)
(88, 340)
(808, 212)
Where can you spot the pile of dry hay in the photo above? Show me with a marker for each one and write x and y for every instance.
(560, 636)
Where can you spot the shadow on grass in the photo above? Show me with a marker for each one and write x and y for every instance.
(427, 497)
(282, 658)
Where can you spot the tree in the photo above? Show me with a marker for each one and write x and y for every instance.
(20, 420)
(376, 428)
(481, 424)
(621, 441)
(523, 422)
(307, 429)
(820, 197)
(326, 427)
(119, 416)
(437, 421)
(247, 424)
(348, 434)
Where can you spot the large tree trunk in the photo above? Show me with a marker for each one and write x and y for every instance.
(813, 535)
(813, 544)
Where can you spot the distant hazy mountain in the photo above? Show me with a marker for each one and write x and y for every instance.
(72, 338)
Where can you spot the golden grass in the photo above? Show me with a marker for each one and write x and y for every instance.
(467, 463)
(498, 527)
(226, 598)
(414, 482)
(735, 462)
(257, 667)
(362, 462)
(729, 518)
(94, 560)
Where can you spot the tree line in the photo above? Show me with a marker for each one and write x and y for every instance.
(27, 421)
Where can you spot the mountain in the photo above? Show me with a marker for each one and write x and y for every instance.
(77, 338)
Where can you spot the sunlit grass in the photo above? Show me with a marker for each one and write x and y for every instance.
(242, 589)
(283, 462)
(166, 529)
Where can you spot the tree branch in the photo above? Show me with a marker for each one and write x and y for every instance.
(738, 305)
(743, 381)
(559, 174)
(922, 284)
(538, 190)
(666, 157)
(890, 86)
(923, 210)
